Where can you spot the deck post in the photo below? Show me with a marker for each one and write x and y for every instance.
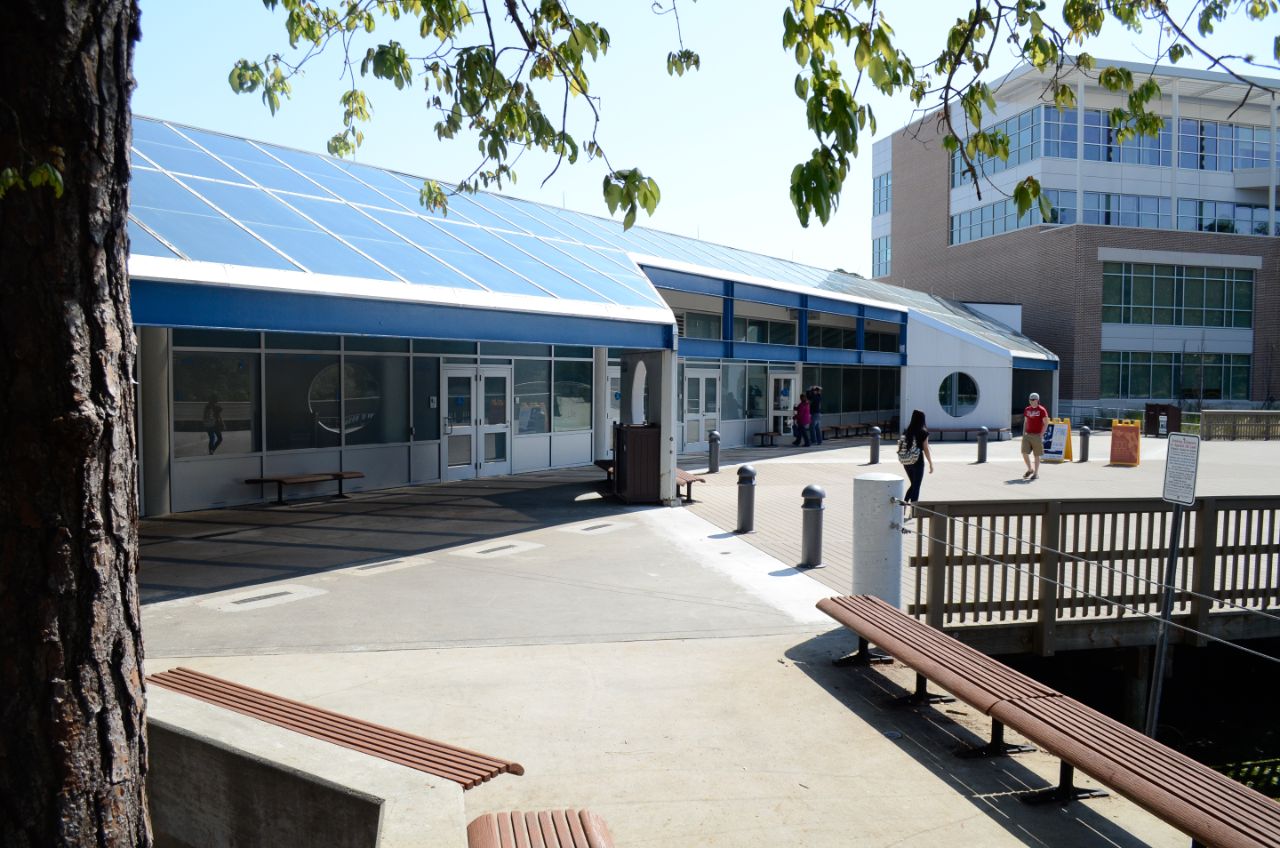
(1048, 584)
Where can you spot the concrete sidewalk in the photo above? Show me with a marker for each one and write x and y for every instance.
(641, 662)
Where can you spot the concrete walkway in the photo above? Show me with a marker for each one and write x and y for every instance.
(642, 662)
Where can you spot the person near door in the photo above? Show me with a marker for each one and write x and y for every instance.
(800, 423)
(815, 414)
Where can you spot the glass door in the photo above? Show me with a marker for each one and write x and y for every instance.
(494, 436)
(459, 423)
(477, 421)
(782, 400)
(701, 408)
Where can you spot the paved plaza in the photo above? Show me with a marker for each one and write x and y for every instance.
(644, 662)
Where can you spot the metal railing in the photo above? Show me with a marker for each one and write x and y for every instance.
(1098, 564)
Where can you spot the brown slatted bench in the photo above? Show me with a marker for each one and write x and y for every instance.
(1205, 804)
(464, 767)
(684, 478)
(547, 829)
(282, 480)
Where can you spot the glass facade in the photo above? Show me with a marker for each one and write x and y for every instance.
(1210, 216)
(1102, 142)
(1002, 216)
(882, 193)
(571, 398)
(1177, 295)
(1175, 375)
(1127, 210)
(216, 403)
(1023, 133)
(881, 257)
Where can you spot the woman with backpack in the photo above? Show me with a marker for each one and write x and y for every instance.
(913, 444)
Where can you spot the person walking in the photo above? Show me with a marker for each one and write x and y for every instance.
(1034, 418)
(913, 452)
(800, 424)
(815, 414)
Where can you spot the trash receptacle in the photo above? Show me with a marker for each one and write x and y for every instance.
(1161, 419)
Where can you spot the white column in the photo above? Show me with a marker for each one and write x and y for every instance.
(1271, 172)
(1079, 150)
(1173, 157)
(877, 540)
(665, 395)
(153, 391)
(602, 439)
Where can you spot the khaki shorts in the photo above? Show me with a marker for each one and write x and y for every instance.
(1033, 443)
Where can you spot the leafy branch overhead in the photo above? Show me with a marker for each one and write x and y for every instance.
(485, 69)
(482, 69)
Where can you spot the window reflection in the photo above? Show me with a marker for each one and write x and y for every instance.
(215, 404)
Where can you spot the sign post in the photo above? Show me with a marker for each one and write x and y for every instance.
(1181, 465)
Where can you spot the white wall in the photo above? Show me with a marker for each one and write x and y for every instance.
(933, 354)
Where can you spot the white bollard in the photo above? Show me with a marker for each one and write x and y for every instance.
(877, 536)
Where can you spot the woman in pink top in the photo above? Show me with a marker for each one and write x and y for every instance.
(800, 426)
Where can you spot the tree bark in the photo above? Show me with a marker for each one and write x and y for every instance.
(72, 732)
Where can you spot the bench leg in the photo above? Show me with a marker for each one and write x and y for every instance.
(340, 492)
(922, 696)
(863, 656)
(997, 747)
(280, 493)
(688, 492)
(1065, 791)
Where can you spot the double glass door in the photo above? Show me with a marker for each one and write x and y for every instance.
(476, 421)
(701, 408)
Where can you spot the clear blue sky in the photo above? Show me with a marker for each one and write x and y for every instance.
(721, 142)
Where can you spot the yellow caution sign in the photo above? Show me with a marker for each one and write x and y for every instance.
(1057, 440)
(1126, 441)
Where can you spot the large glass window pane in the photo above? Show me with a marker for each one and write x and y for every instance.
(757, 377)
(571, 396)
(426, 398)
(303, 401)
(735, 388)
(851, 388)
(781, 333)
(174, 153)
(215, 338)
(215, 404)
(253, 163)
(533, 395)
(377, 400)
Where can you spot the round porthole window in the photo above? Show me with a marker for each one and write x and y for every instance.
(958, 394)
(363, 398)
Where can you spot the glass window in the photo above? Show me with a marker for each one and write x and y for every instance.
(376, 344)
(376, 389)
(440, 346)
(143, 243)
(533, 395)
(571, 399)
(699, 325)
(781, 333)
(851, 389)
(215, 338)
(958, 394)
(735, 389)
(572, 352)
(757, 377)
(215, 404)
(303, 401)
(426, 398)
(301, 341)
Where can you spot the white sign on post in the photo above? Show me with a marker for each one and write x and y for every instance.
(1181, 464)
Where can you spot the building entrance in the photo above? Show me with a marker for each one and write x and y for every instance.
(476, 421)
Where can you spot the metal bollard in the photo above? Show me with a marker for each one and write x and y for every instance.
(713, 461)
(1084, 444)
(982, 444)
(875, 445)
(811, 527)
(746, 499)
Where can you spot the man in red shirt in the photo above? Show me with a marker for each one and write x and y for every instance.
(1034, 417)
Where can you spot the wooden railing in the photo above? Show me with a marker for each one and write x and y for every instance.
(1076, 573)
(1239, 424)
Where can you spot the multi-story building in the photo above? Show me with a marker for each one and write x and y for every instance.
(1155, 278)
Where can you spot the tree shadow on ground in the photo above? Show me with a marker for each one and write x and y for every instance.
(933, 734)
(196, 553)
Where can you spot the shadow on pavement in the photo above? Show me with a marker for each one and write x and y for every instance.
(932, 735)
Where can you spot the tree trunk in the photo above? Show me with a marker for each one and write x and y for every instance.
(72, 733)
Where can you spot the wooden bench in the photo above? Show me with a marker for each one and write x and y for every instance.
(684, 478)
(282, 480)
(1206, 805)
(546, 829)
(771, 435)
(606, 465)
(464, 767)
